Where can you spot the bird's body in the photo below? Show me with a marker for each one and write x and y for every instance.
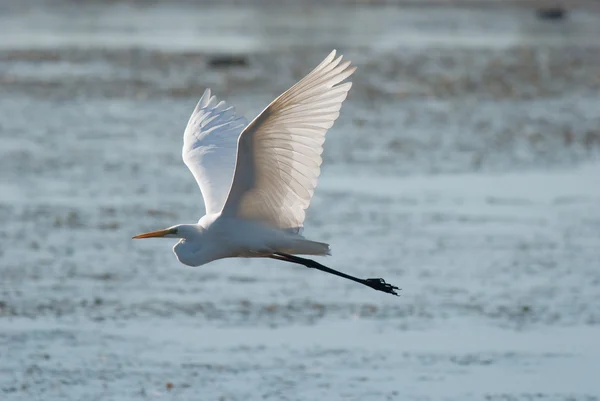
(258, 178)
(218, 237)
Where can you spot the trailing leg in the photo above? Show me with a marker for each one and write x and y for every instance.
(378, 284)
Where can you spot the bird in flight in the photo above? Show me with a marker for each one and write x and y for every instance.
(257, 179)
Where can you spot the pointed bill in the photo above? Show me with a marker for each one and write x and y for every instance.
(154, 234)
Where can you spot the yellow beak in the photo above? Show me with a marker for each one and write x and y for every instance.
(153, 234)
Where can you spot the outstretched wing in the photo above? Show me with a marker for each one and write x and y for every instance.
(210, 146)
(279, 152)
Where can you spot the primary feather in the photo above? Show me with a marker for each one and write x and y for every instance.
(210, 146)
(279, 152)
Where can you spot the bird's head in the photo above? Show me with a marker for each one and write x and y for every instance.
(186, 231)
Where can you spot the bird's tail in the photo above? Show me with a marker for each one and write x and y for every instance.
(302, 246)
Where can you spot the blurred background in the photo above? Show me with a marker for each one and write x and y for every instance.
(464, 168)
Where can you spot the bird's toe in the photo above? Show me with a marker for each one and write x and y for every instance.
(379, 284)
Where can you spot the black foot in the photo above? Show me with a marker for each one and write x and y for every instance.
(379, 284)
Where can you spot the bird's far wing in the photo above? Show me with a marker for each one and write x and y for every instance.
(279, 152)
(210, 146)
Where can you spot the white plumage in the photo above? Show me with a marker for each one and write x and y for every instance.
(210, 147)
(258, 179)
(279, 152)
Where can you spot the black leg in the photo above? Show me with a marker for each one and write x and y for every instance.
(378, 284)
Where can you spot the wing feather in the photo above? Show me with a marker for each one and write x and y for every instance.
(279, 152)
(210, 147)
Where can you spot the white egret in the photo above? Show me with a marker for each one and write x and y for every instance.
(258, 179)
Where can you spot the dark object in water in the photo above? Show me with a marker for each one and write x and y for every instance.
(225, 61)
(551, 13)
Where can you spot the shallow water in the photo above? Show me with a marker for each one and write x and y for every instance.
(462, 169)
(250, 29)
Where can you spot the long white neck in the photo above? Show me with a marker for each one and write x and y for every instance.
(189, 250)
